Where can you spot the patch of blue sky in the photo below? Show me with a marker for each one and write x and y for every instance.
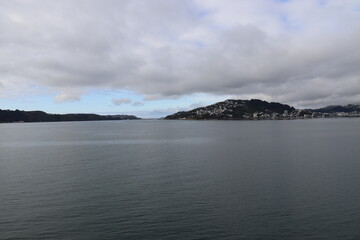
(203, 12)
(100, 102)
(357, 8)
(288, 23)
(198, 44)
(283, 18)
(30, 103)
(163, 107)
(322, 2)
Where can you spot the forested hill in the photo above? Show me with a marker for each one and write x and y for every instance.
(234, 109)
(338, 108)
(256, 109)
(39, 116)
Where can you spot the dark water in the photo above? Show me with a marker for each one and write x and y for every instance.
(181, 180)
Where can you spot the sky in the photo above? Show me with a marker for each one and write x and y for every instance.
(151, 58)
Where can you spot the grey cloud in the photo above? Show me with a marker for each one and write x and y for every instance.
(155, 49)
(120, 101)
(137, 104)
(69, 94)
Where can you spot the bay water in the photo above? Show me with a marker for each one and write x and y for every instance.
(158, 179)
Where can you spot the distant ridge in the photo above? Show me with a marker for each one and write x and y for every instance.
(337, 108)
(40, 116)
(256, 109)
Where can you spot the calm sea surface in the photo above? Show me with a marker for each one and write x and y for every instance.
(181, 180)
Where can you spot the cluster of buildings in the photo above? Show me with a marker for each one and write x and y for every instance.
(224, 113)
(298, 114)
(261, 110)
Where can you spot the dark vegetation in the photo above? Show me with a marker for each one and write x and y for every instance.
(232, 109)
(39, 116)
(337, 108)
(256, 109)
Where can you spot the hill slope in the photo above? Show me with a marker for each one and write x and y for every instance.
(257, 109)
(234, 109)
(337, 108)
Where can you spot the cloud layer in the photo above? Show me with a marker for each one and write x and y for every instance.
(303, 52)
(120, 101)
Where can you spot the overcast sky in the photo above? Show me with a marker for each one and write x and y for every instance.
(154, 57)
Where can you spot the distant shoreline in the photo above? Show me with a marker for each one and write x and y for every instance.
(319, 118)
(256, 109)
(9, 116)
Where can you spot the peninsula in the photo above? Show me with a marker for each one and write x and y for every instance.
(256, 109)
